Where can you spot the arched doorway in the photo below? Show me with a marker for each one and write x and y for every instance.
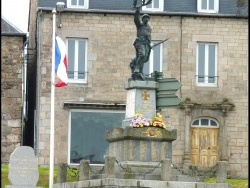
(204, 142)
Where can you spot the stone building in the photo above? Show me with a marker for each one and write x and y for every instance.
(12, 61)
(207, 52)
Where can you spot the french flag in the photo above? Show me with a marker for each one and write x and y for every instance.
(61, 62)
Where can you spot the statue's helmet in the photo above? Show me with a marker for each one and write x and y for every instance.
(145, 15)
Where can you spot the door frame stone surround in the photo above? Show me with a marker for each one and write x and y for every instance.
(218, 111)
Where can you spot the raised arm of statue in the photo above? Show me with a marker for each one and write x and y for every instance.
(137, 17)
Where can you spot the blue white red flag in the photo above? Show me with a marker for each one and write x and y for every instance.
(61, 63)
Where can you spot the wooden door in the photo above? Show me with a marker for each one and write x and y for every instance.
(204, 146)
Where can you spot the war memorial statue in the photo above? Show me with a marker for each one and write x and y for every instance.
(142, 42)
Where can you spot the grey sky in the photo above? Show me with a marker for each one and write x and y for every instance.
(16, 11)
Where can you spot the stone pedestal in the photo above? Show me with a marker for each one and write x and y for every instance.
(141, 97)
(146, 144)
(139, 151)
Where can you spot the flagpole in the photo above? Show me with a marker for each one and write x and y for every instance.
(52, 127)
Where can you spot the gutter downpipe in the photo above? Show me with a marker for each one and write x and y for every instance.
(37, 110)
(24, 85)
(181, 54)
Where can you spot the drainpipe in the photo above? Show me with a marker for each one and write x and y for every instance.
(38, 78)
(24, 83)
(181, 54)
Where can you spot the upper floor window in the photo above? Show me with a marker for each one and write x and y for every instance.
(78, 4)
(155, 60)
(156, 5)
(208, 6)
(205, 122)
(77, 60)
(206, 66)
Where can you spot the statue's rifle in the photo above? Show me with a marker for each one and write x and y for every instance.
(143, 3)
(152, 47)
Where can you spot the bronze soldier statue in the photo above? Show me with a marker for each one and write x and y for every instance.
(141, 43)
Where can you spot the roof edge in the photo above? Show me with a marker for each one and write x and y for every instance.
(11, 24)
(13, 34)
(151, 13)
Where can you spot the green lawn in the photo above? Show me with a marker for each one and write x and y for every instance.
(44, 178)
(235, 183)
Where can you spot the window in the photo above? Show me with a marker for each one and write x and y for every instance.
(206, 66)
(155, 60)
(205, 122)
(87, 134)
(208, 6)
(78, 4)
(77, 60)
(156, 5)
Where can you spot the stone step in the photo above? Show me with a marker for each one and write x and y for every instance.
(139, 176)
(185, 178)
(149, 172)
(180, 178)
(133, 183)
(128, 176)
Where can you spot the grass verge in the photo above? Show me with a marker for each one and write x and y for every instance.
(235, 183)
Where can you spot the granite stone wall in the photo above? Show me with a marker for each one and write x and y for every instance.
(11, 94)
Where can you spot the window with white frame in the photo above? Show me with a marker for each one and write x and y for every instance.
(206, 66)
(156, 5)
(87, 130)
(77, 60)
(205, 122)
(208, 6)
(84, 4)
(155, 60)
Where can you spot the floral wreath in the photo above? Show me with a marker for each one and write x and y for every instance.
(139, 121)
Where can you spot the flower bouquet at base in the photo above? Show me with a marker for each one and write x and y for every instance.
(139, 121)
(157, 121)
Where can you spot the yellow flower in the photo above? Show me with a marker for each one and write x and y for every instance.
(157, 121)
(137, 114)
